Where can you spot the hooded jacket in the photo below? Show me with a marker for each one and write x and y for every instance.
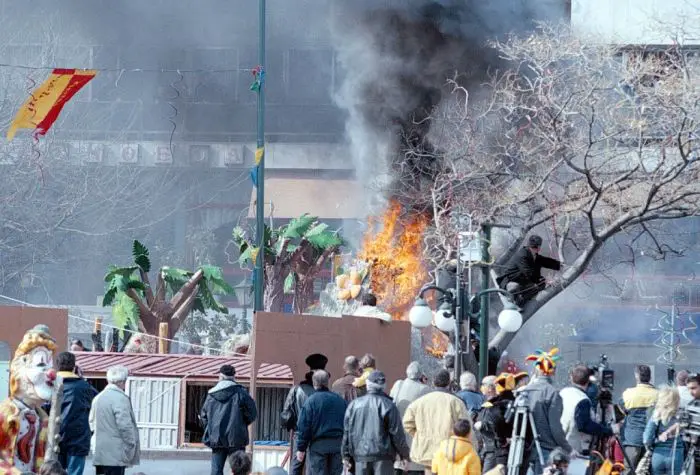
(227, 412)
(456, 456)
(429, 420)
(373, 430)
(75, 415)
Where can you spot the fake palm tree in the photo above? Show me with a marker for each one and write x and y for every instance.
(136, 304)
(293, 256)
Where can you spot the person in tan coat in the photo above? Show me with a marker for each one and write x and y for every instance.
(430, 419)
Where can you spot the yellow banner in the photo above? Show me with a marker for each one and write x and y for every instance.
(259, 152)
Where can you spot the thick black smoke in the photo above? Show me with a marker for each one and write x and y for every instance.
(398, 61)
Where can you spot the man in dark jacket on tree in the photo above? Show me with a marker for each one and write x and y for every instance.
(227, 412)
(320, 429)
(374, 435)
(75, 414)
(523, 272)
(296, 398)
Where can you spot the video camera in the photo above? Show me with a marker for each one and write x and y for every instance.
(689, 421)
(606, 376)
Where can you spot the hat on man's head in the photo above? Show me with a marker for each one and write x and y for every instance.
(377, 377)
(545, 361)
(228, 371)
(508, 381)
(316, 361)
(534, 241)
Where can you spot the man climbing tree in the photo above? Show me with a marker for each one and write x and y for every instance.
(523, 272)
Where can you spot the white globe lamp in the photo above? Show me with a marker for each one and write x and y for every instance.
(443, 318)
(510, 320)
(420, 315)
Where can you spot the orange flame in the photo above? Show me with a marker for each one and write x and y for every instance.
(438, 345)
(395, 253)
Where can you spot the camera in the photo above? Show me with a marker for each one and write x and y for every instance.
(689, 421)
(607, 376)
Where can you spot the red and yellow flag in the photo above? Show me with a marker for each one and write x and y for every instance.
(45, 103)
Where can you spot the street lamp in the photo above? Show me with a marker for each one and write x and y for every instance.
(421, 316)
(242, 291)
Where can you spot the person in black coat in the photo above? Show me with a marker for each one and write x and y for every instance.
(523, 272)
(227, 412)
(374, 435)
(296, 398)
(494, 430)
(320, 429)
(75, 412)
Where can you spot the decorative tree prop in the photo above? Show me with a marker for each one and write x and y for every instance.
(294, 254)
(136, 304)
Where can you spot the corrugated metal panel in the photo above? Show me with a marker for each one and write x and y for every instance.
(156, 403)
(270, 402)
(141, 364)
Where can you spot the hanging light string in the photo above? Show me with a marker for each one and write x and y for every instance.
(76, 317)
(133, 70)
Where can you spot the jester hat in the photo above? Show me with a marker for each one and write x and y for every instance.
(545, 361)
(508, 381)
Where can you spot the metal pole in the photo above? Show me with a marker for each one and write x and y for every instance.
(260, 195)
(484, 314)
(458, 306)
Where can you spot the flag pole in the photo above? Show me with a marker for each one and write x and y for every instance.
(260, 186)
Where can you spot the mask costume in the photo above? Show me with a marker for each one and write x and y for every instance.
(23, 424)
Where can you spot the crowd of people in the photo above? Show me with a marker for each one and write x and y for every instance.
(421, 425)
(356, 425)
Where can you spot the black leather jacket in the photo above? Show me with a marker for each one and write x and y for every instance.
(373, 430)
(296, 398)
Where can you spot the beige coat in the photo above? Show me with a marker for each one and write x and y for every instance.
(115, 434)
(429, 420)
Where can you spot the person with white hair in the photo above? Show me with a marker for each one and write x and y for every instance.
(373, 436)
(404, 392)
(113, 424)
(320, 429)
(470, 393)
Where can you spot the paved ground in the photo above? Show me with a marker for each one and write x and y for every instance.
(165, 467)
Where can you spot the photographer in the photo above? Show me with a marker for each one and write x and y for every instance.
(577, 414)
(558, 463)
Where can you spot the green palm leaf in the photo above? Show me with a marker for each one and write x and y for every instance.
(297, 227)
(113, 271)
(141, 258)
(125, 312)
(324, 240)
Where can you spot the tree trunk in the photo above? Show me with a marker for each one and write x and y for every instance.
(273, 296)
(303, 293)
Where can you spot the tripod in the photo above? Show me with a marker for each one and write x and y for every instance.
(519, 411)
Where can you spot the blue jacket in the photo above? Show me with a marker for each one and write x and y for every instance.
(652, 432)
(321, 422)
(472, 399)
(75, 413)
(637, 401)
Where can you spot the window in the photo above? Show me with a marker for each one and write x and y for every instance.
(310, 76)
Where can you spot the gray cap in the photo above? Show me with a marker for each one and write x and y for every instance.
(276, 471)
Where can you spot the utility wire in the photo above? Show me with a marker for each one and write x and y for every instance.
(76, 317)
(129, 70)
